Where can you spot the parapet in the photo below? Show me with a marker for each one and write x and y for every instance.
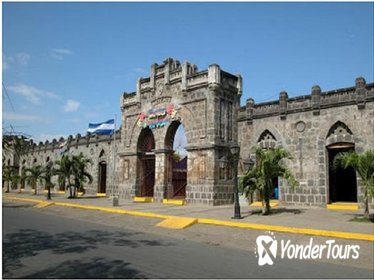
(70, 142)
(315, 101)
(171, 71)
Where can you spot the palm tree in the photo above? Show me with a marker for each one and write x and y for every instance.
(35, 173)
(15, 180)
(61, 182)
(364, 166)
(22, 180)
(48, 173)
(269, 165)
(81, 175)
(8, 173)
(65, 171)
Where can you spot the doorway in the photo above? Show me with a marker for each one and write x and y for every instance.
(102, 177)
(146, 163)
(176, 171)
(342, 182)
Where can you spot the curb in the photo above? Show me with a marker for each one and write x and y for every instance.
(284, 229)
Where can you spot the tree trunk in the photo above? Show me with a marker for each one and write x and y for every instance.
(69, 186)
(49, 192)
(35, 188)
(266, 206)
(266, 199)
(366, 202)
(7, 187)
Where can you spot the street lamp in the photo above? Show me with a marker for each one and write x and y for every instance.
(235, 150)
(248, 164)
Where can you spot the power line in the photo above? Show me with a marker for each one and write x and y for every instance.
(10, 101)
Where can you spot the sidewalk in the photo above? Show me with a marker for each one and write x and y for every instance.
(299, 220)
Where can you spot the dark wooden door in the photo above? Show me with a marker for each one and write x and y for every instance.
(102, 177)
(179, 178)
(148, 180)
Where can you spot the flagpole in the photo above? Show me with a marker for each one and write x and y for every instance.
(115, 203)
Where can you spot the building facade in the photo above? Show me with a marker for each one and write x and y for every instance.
(314, 128)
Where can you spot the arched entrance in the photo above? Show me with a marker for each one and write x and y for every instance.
(102, 177)
(146, 163)
(342, 182)
(176, 165)
(266, 141)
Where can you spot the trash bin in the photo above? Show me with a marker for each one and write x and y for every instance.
(115, 201)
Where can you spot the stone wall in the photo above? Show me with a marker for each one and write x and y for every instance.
(198, 97)
(96, 148)
(303, 126)
(206, 103)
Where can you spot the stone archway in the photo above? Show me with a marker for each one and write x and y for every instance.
(146, 163)
(342, 183)
(176, 161)
(267, 140)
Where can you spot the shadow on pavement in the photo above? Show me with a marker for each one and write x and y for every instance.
(27, 243)
(9, 205)
(274, 211)
(95, 268)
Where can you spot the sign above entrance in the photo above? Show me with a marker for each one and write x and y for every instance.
(158, 117)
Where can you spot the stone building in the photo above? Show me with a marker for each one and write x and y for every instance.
(96, 147)
(313, 128)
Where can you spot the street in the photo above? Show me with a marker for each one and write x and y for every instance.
(40, 243)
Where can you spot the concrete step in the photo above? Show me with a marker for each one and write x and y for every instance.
(179, 202)
(143, 199)
(343, 206)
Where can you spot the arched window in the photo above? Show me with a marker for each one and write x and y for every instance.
(267, 140)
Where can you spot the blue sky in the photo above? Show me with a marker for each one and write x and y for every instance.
(66, 64)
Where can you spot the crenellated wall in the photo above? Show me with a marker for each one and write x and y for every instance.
(96, 147)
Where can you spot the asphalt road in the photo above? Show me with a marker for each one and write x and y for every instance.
(40, 245)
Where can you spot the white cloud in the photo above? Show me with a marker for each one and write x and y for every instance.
(32, 94)
(23, 58)
(5, 65)
(9, 116)
(45, 136)
(60, 54)
(71, 105)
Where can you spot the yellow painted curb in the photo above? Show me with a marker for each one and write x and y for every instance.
(101, 194)
(143, 199)
(273, 203)
(343, 206)
(23, 199)
(264, 227)
(113, 210)
(177, 222)
(174, 201)
(62, 192)
(307, 231)
(44, 204)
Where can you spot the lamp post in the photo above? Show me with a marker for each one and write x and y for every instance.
(235, 150)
